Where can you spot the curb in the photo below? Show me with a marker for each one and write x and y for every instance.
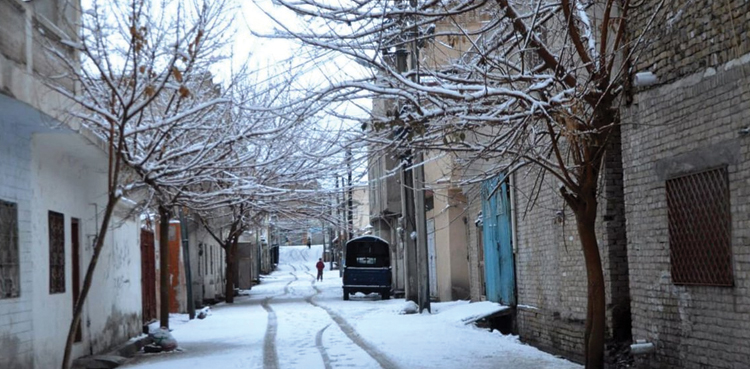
(114, 358)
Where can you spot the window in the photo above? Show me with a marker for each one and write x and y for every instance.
(700, 228)
(429, 200)
(56, 223)
(9, 259)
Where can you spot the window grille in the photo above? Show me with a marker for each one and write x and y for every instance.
(9, 259)
(56, 223)
(700, 229)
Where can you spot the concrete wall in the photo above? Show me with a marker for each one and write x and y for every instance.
(450, 232)
(360, 210)
(69, 184)
(474, 243)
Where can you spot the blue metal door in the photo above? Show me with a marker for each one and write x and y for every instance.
(499, 271)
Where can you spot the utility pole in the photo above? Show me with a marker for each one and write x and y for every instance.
(406, 222)
(344, 230)
(423, 272)
(350, 201)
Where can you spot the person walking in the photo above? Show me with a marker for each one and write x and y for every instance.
(320, 265)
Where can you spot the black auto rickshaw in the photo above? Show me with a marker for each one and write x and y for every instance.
(367, 267)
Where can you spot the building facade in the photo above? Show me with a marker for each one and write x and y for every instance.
(52, 193)
(686, 150)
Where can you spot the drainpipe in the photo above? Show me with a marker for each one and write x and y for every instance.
(259, 252)
(186, 260)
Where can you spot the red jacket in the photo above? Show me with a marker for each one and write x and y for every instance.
(320, 265)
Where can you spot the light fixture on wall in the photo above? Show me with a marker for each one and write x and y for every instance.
(643, 79)
(560, 216)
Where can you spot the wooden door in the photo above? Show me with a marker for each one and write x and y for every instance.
(75, 254)
(148, 276)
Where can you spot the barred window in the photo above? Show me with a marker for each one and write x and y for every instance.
(10, 283)
(700, 229)
(56, 223)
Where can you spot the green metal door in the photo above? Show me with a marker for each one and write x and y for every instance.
(499, 270)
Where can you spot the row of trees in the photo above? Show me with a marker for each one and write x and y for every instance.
(141, 77)
(514, 84)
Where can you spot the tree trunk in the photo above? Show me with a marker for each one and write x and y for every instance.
(164, 285)
(595, 312)
(88, 279)
(231, 268)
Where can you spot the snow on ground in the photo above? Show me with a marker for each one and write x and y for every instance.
(290, 321)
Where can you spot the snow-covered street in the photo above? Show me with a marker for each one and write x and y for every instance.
(290, 321)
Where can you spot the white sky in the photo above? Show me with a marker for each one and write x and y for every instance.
(307, 337)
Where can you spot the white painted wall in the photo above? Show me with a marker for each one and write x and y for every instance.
(450, 231)
(53, 172)
(70, 178)
(16, 327)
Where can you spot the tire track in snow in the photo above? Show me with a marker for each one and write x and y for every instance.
(321, 348)
(351, 333)
(270, 355)
(286, 287)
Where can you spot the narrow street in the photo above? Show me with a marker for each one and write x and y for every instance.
(292, 321)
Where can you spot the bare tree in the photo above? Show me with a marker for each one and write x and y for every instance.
(515, 82)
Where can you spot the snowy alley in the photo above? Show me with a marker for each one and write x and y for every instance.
(290, 321)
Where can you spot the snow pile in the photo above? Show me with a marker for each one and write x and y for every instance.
(203, 313)
(467, 313)
(163, 339)
(410, 307)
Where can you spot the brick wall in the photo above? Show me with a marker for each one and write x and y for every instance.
(687, 36)
(551, 278)
(677, 128)
(15, 313)
(689, 122)
(551, 275)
